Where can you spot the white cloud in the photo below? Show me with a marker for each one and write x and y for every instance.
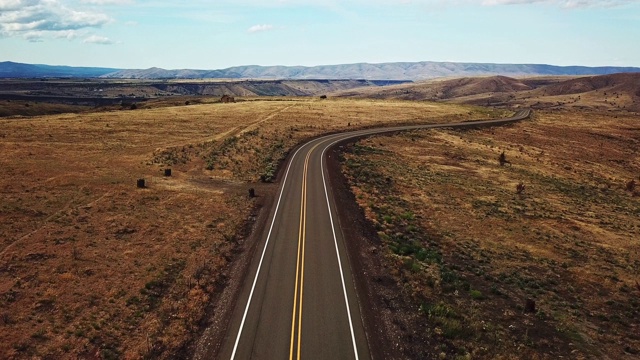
(37, 19)
(34, 36)
(260, 28)
(66, 34)
(100, 40)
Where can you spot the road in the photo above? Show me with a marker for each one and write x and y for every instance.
(299, 300)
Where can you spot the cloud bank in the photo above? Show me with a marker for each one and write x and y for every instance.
(35, 20)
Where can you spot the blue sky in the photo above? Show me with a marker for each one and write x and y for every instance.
(205, 34)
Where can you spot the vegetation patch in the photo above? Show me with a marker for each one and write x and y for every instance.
(538, 259)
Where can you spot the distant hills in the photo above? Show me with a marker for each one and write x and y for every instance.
(385, 71)
(608, 92)
(10, 69)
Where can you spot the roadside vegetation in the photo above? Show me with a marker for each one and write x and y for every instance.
(532, 254)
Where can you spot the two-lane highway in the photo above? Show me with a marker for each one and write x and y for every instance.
(299, 300)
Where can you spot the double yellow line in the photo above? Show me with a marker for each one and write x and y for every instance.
(299, 288)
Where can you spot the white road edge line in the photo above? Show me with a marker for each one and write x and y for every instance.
(266, 244)
(335, 241)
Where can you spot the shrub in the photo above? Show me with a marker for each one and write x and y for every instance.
(41, 334)
(438, 310)
(269, 173)
(455, 329)
(210, 164)
(476, 295)
(408, 216)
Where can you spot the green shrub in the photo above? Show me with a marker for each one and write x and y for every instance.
(476, 295)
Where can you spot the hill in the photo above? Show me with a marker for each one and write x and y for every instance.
(620, 91)
(413, 71)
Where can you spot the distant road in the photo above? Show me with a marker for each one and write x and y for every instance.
(299, 300)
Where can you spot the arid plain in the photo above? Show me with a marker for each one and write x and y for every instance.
(93, 267)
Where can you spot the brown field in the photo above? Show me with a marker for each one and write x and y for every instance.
(91, 266)
(468, 251)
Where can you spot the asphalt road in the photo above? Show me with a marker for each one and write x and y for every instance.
(299, 300)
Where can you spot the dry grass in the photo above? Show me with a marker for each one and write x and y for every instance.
(92, 266)
(266, 130)
(470, 250)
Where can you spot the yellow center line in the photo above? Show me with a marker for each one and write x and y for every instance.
(304, 238)
(295, 294)
(302, 231)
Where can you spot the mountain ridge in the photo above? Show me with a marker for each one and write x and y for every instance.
(10, 69)
(413, 71)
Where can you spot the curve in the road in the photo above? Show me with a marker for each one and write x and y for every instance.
(304, 261)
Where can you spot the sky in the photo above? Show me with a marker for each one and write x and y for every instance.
(208, 34)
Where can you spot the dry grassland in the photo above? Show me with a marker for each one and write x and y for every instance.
(469, 250)
(91, 266)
